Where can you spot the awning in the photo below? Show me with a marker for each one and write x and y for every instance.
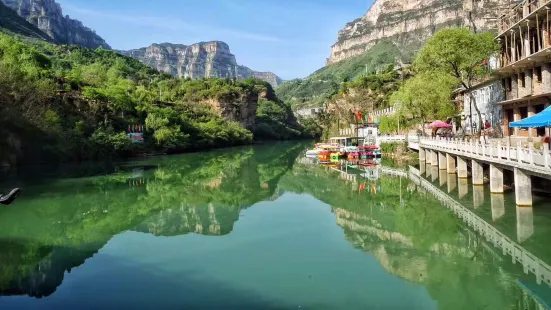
(542, 119)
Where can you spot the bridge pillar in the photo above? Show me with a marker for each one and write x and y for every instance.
(496, 179)
(478, 173)
(523, 188)
(498, 206)
(434, 158)
(525, 223)
(451, 164)
(462, 168)
(422, 156)
(441, 161)
(428, 156)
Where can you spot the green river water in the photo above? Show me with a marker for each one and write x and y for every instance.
(261, 228)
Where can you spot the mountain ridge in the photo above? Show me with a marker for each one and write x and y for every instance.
(410, 24)
(198, 60)
(47, 16)
(10, 21)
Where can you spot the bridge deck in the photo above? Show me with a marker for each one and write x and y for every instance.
(538, 162)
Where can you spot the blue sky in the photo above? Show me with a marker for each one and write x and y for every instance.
(291, 38)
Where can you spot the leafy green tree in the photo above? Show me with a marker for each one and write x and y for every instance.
(425, 96)
(458, 53)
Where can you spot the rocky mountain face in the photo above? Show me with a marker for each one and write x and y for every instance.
(48, 17)
(10, 21)
(204, 59)
(411, 23)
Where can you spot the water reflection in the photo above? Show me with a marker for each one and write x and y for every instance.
(435, 172)
(525, 223)
(58, 225)
(463, 188)
(478, 196)
(452, 182)
(498, 206)
(411, 242)
(443, 176)
(384, 212)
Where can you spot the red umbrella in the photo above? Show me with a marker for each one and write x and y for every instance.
(439, 124)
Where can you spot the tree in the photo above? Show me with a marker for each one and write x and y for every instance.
(458, 53)
(425, 96)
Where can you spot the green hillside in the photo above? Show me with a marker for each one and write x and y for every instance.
(326, 82)
(11, 22)
(70, 103)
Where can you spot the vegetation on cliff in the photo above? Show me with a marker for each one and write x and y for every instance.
(72, 103)
(322, 85)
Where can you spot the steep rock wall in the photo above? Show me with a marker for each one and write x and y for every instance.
(48, 17)
(411, 23)
(204, 59)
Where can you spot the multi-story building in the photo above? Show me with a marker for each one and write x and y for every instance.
(524, 33)
(488, 93)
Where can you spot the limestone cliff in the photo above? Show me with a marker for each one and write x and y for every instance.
(204, 59)
(48, 17)
(411, 23)
(10, 21)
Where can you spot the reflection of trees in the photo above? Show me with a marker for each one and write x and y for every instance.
(420, 242)
(69, 220)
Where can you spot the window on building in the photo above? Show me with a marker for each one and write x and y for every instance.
(509, 84)
(522, 79)
(537, 74)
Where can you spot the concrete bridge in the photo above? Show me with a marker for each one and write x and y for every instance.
(525, 226)
(454, 155)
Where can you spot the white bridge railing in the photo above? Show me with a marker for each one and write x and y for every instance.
(529, 158)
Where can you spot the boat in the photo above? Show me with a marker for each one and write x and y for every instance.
(320, 147)
(10, 198)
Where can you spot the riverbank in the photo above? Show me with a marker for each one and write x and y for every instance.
(399, 152)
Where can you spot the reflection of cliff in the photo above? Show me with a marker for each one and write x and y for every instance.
(204, 220)
(419, 241)
(61, 223)
(40, 275)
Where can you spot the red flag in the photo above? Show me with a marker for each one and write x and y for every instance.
(359, 114)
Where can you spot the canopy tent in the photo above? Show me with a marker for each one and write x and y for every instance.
(439, 124)
(542, 119)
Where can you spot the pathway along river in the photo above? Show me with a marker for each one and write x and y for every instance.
(260, 228)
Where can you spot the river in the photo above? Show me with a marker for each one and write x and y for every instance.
(264, 228)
